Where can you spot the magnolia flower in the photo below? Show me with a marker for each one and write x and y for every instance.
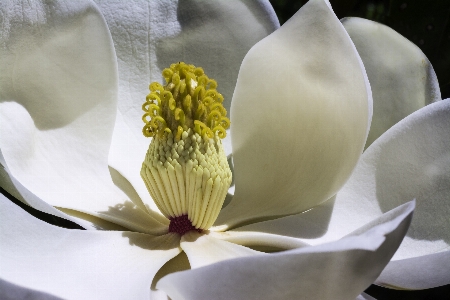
(72, 86)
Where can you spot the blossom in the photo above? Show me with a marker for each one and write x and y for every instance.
(71, 98)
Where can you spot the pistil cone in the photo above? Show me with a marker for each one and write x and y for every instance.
(189, 176)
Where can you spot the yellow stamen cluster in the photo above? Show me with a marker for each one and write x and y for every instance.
(188, 100)
(185, 169)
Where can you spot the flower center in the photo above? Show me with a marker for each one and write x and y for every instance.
(185, 169)
(181, 225)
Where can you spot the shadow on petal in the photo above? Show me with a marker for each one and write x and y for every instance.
(310, 224)
(46, 59)
(416, 172)
(11, 291)
(141, 240)
(133, 217)
(176, 264)
(125, 186)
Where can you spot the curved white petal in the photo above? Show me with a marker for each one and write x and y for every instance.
(126, 155)
(411, 160)
(176, 264)
(58, 94)
(57, 110)
(401, 77)
(261, 241)
(125, 186)
(315, 226)
(57, 165)
(300, 116)
(78, 264)
(90, 221)
(150, 35)
(338, 270)
(19, 192)
(87, 221)
(423, 272)
(203, 250)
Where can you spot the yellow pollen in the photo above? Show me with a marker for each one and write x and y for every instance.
(188, 100)
(185, 169)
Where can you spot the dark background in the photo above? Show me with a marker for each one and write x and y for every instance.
(426, 24)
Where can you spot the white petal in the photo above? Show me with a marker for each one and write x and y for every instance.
(315, 226)
(94, 222)
(19, 192)
(58, 106)
(416, 273)
(411, 160)
(401, 77)
(338, 270)
(57, 110)
(126, 156)
(75, 182)
(203, 250)
(176, 264)
(262, 241)
(78, 264)
(125, 186)
(150, 35)
(300, 116)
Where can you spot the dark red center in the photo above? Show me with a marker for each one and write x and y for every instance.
(181, 225)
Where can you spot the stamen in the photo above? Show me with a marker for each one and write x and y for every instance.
(188, 92)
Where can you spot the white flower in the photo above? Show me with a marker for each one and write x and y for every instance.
(71, 105)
